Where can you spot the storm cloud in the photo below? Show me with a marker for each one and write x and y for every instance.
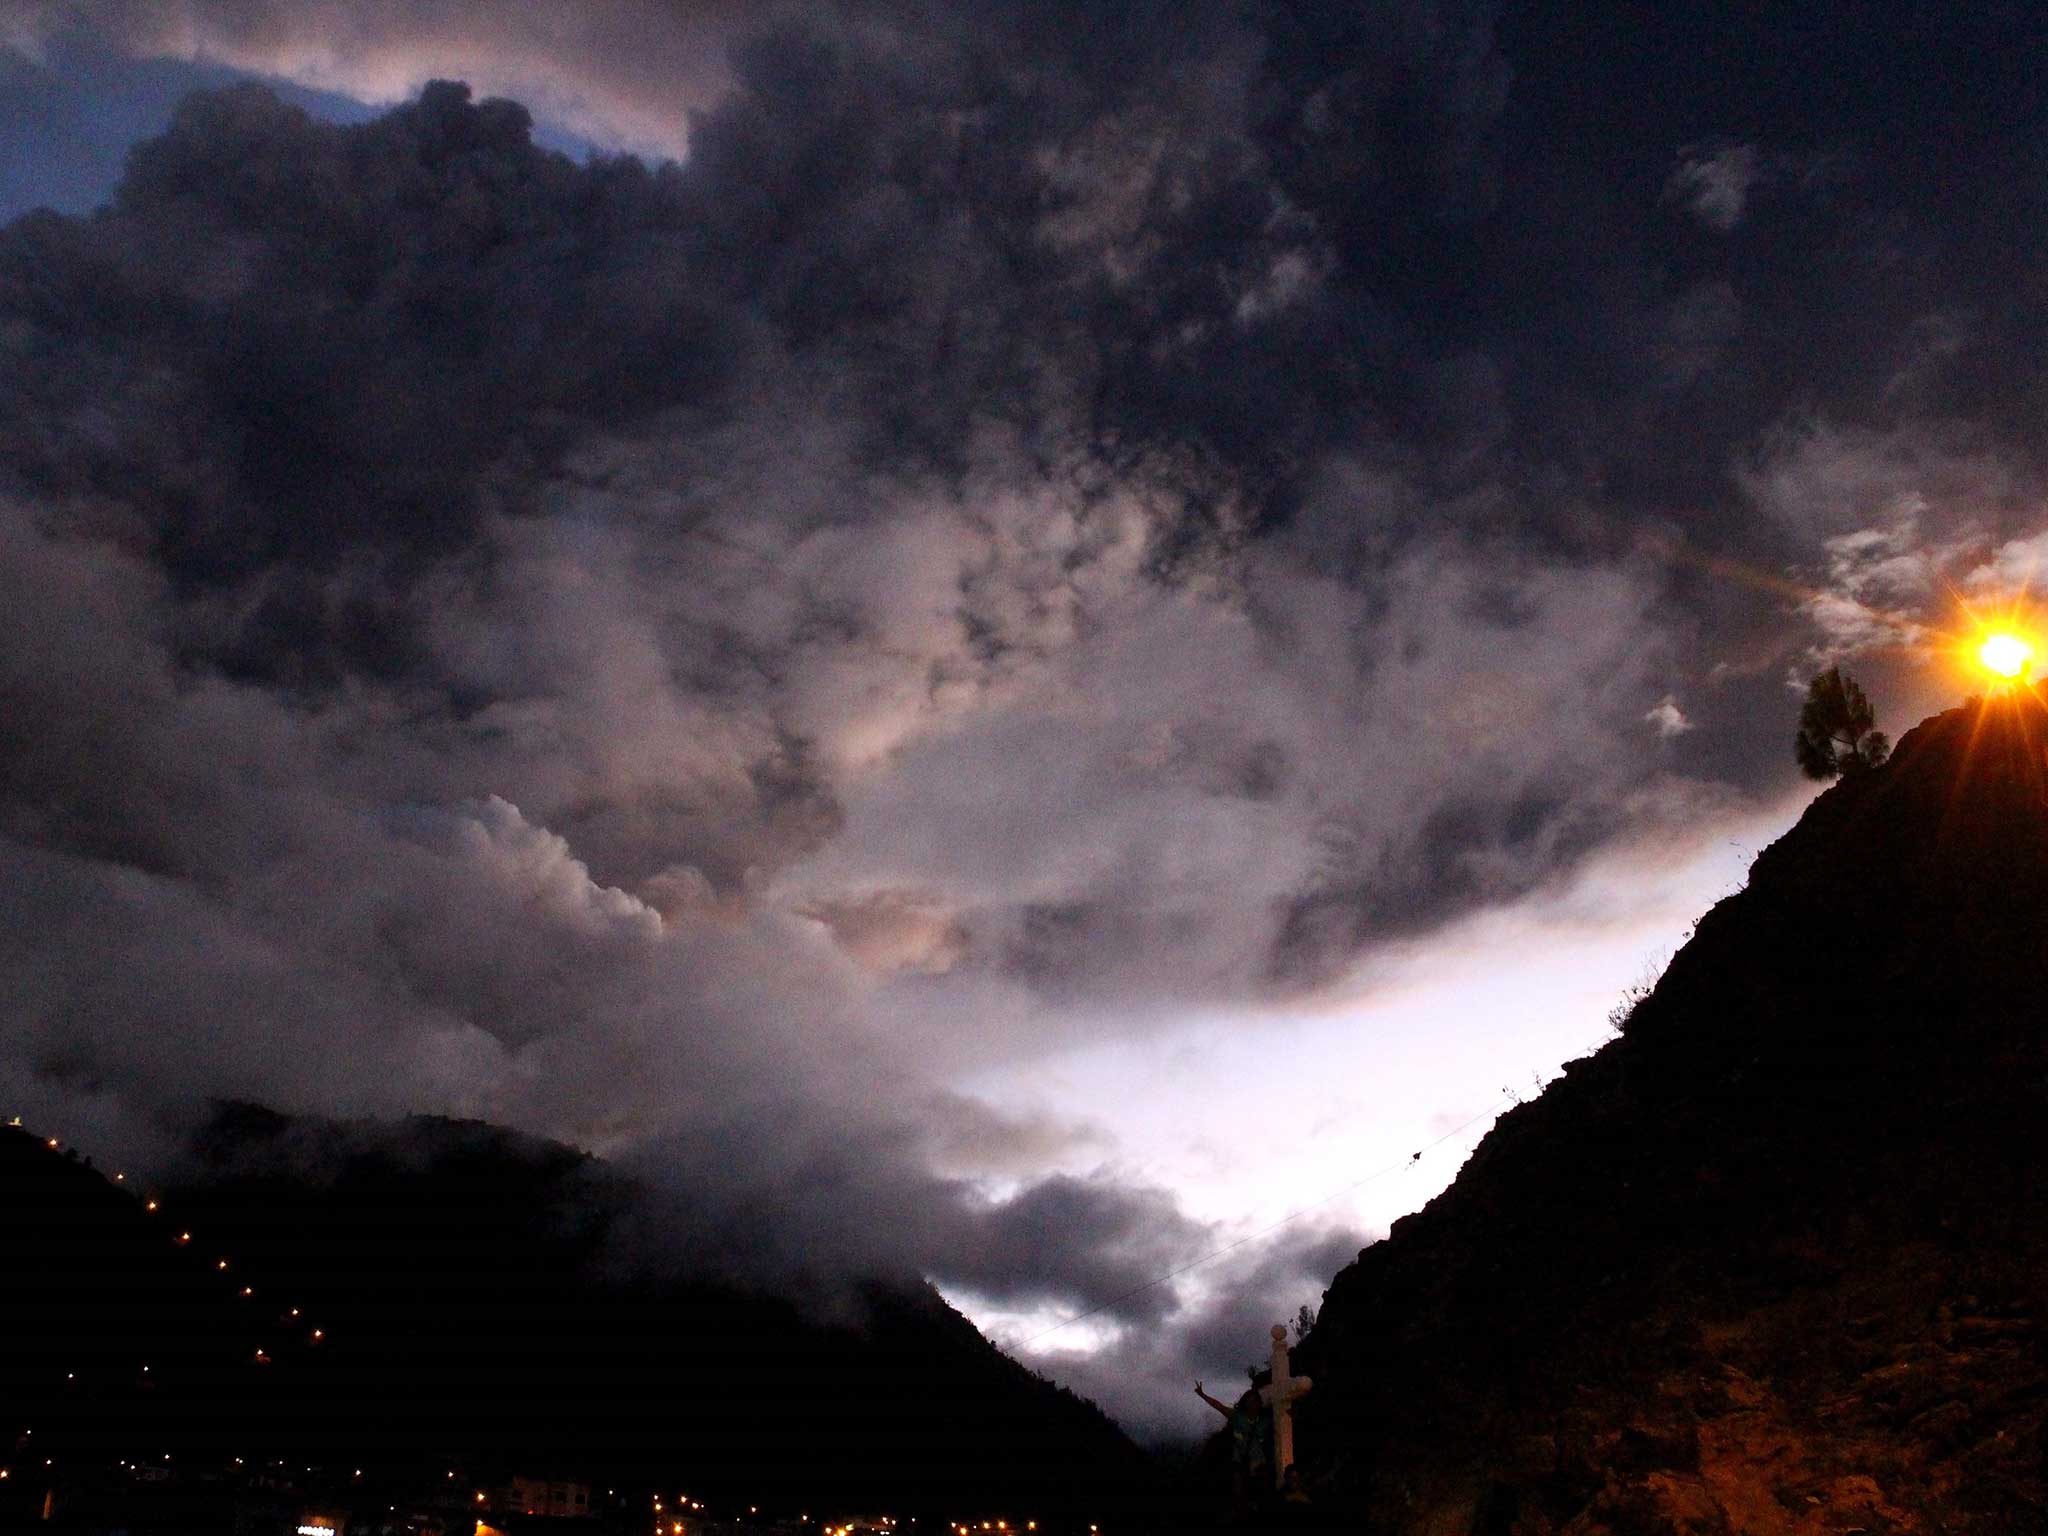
(1024, 530)
(626, 72)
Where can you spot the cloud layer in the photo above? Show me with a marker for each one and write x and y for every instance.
(1026, 531)
(626, 73)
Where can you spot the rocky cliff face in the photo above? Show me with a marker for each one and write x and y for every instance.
(1776, 1259)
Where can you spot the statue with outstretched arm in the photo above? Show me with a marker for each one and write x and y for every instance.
(1249, 1438)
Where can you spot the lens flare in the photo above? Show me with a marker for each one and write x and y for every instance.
(2005, 655)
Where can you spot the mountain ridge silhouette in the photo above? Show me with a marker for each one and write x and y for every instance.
(473, 1316)
(1772, 1260)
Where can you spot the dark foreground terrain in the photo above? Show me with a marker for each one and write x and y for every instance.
(1774, 1261)
(478, 1317)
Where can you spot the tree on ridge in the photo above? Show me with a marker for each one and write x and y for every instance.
(1838, 732)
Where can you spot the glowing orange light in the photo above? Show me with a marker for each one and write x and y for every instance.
(2005, 655)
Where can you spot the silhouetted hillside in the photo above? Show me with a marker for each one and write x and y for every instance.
(1776, 1259)
(472, 1313)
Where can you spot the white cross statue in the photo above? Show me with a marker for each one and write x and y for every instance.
(1280, 1394)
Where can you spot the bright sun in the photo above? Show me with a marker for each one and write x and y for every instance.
(2005, 655)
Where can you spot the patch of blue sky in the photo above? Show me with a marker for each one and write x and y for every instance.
(70, 113)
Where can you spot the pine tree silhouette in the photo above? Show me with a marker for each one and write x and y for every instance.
(1837, 729)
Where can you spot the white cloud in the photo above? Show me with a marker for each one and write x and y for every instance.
(1715, 184)
(2015, 569)
(1668, 718)
(1891, 518)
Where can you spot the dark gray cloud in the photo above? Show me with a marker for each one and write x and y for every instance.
(1149, 1371)
(777, 1192)
(1028, 529)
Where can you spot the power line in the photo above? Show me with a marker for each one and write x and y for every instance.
(1138, 1290)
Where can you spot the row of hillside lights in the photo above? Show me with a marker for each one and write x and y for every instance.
(152, 1205)
(888, 1522)
(135, 1466)
(683, 1501)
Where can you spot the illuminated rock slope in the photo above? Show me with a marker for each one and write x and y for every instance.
(1774, 1260)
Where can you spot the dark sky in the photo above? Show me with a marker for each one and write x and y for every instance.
(1007, 534)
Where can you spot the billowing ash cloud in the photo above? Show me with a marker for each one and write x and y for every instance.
(1029, 528)
(624, 72)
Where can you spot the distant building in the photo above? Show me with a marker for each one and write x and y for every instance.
(545, 1496)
